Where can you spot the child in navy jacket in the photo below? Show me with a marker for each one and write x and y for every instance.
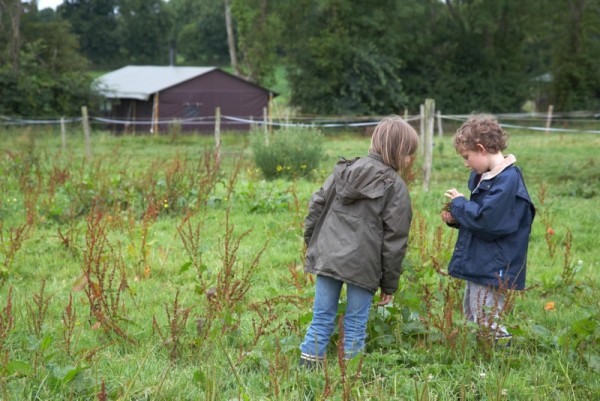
(494, 224)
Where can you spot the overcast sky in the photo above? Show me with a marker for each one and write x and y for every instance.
(48, 3)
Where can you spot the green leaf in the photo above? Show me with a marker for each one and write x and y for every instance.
(70, 374)
(517, 331)
(305, 319)
(593, 361)
(46, 342)
(541, 331)
(199, 377)
(65, 374)
(19, 368)
(203, 268)
(584, 327)
(185, 267)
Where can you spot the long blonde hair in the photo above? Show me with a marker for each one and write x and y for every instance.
(395, 140)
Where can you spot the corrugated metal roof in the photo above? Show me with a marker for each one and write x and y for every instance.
(139, 82)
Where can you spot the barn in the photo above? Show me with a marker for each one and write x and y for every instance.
(155, 98)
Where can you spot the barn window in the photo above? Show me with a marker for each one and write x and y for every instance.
(191, 110)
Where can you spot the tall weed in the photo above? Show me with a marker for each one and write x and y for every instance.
(10, 242)
(103, 278)
(177, 318)
(289, 153)
(249, 298)
(7, 321)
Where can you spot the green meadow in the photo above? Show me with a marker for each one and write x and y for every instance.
(161, 268)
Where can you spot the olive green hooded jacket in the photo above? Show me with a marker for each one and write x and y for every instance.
(362, 235)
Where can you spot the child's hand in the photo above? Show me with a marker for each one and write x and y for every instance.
(384, 299)
(452, 193)
(447, 217)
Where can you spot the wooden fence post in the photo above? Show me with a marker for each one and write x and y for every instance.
(429, 118)
(549, 118)
(218, 135)
(155, 111)
(439, 124)
(270, 107)
(266, 126)
(422, 126)
(86, 131)
(63, 134)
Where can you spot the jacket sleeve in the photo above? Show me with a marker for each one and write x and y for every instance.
(315, 208)
(495, 216)
(397, 216)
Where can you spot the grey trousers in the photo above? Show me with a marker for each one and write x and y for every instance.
(483, 305)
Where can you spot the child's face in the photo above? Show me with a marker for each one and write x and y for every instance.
(477, 160)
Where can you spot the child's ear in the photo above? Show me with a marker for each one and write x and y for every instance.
(480, 148)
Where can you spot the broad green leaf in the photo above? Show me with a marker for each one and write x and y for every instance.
(185, 267)
(19, 368)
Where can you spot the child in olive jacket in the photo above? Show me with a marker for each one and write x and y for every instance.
(494, 224)
(356, 233)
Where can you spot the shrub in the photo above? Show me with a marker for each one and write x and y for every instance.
(287, 153)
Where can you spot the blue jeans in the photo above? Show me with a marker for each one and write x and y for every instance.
(325, 308)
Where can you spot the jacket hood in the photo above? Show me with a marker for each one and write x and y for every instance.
(355, 179)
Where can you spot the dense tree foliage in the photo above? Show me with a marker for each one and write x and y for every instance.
(200, 32)
(258, 35)
(95, 24)
(341, 57)
(575, 64)
(469, 55)
(42, 73)
(144, 31)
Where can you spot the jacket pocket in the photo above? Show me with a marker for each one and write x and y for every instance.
(486, 260)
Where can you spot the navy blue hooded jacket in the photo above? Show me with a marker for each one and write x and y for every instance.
(494, 228)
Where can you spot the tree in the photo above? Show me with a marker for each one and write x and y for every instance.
(95, 24)
(144, 29)
(10, 34)
(200, 33)
(231, 37)
(468, 55)
(48, 79)
(258, 32)
(576, 55)
(339, 57)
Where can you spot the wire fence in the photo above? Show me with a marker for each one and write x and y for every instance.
(574, 122)
(424, 122)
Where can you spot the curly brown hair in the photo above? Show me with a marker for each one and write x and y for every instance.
(481, 129)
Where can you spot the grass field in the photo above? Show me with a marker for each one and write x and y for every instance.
(152, 272)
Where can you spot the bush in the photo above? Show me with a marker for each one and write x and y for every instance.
(287, 153)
